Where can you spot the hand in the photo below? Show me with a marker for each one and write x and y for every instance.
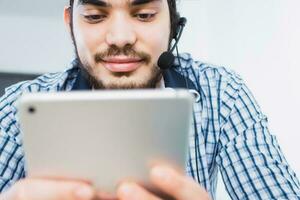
(49, 189)
(167, 180)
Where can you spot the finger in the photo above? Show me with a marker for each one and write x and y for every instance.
(132, 191)
(148, 187)
(158, 193)
(163, 162)
(175, 184)
(49, 190)
(105, 196)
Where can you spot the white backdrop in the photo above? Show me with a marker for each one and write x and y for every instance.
(261, 41)
(258, 39)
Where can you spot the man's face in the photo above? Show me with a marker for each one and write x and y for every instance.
(119, 41)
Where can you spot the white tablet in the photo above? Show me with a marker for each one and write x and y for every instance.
(104, 136)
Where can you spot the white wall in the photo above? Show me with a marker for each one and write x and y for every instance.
(33, 37)
(259, 39)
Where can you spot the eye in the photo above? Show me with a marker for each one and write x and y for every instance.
(94, 18)
(145, 17)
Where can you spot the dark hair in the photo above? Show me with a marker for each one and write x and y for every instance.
(174, 16)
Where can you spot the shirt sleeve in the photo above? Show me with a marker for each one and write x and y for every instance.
(250, 160)
(11, 153)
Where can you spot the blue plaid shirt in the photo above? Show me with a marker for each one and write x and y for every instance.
(230, 132)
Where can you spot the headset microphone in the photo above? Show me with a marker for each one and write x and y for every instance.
(167, 58)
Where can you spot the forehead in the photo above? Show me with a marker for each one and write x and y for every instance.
(114, 3)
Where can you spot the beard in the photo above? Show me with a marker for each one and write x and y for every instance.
(151, 82)
(121, 80)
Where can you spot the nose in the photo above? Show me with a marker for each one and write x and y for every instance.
(120, 31)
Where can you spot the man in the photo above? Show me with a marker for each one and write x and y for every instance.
(118, 44)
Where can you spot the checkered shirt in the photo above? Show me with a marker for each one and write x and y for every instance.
(230, 134)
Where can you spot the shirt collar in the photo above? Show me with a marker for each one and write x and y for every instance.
(81, 82)
(173, 79)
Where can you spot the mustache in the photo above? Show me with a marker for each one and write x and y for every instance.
(127, 50)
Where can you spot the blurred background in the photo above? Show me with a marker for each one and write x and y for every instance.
(258, 39)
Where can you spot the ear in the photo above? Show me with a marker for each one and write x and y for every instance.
(67, 17)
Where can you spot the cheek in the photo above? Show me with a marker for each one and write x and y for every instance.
(158, 38)
(155, 38)
(88, 38)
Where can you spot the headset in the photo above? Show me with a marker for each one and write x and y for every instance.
(167, 58)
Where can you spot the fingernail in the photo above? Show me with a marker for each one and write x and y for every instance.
(161, 173)
(127, 191)
(84, 193)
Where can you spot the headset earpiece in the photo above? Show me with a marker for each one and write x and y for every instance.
(176, 27)
(180, 24)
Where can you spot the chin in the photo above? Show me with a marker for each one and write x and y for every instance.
(128, 80)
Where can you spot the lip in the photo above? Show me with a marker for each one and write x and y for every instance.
(122, 64)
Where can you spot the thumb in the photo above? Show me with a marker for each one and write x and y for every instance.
(38, 189)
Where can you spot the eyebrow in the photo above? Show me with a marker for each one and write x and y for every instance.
(94, 2)
(142, 2)
(102, 3)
